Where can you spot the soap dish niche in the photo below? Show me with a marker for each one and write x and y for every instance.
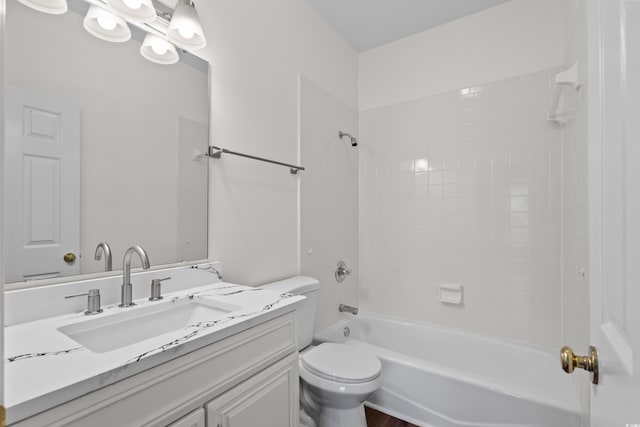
(450, 293)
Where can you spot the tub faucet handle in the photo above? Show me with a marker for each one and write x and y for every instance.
(342, 271)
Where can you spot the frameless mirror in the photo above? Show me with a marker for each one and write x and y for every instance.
(101, 145)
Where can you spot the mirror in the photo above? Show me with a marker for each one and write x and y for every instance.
(101, 145)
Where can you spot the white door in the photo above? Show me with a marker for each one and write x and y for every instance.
(614, 209)
(41, 186)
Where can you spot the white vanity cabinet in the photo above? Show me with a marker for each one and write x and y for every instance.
(247, 379)
(263, 400)
(193, 419)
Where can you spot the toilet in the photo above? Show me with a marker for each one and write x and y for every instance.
(335, 379)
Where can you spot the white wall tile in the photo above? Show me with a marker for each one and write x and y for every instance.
(482, 214)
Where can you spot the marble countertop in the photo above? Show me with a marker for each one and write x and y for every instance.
(44, 367)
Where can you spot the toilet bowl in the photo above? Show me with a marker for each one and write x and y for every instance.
(335, 379)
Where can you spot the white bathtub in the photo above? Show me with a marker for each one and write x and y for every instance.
(440, 377)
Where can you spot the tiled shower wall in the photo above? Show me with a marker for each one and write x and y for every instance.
(464, 188)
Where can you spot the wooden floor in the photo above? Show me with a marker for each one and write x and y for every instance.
(378, 419)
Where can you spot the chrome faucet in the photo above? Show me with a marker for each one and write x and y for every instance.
(342, 308)
(104, 248)
(126, 289)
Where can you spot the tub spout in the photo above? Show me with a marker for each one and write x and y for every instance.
(348, 309)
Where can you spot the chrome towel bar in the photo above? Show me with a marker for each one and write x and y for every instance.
(216, 152)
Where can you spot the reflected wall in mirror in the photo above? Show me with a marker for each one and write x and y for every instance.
(101, 145)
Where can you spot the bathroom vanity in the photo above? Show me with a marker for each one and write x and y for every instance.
(233, 362)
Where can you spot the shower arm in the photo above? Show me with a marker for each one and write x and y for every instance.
(354, 141)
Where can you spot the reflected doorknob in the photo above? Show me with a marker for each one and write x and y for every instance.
(69, 257)
(570, 361)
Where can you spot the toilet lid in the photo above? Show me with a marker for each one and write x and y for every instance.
(342, 363)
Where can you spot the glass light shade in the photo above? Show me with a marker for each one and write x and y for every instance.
(185, 29)
(54, 7)
(134, 10)
(158, 50)
(106, 26)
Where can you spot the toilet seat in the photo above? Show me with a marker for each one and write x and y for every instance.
(321, 371)
(341, 363)
(338, 387)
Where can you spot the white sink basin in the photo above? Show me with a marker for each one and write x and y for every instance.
(131, 325)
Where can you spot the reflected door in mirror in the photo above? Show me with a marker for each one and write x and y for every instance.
(41, 185)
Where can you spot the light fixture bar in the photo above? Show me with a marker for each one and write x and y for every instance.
(159, 27)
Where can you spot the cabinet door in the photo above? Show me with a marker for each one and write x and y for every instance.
(192, 419)
(268, 399)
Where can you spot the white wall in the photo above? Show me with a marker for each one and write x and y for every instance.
(257, 50)
(328, 198)
(515, 38)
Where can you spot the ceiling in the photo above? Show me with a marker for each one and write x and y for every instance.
(365, 24)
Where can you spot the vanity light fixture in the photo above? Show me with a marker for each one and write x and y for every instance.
(134, 10)
(158, 50)
(185, 29)
(106, 26)
(54, 7)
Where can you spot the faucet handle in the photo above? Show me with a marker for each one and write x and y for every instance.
(156, 290)
(93, 301)
(342, 271)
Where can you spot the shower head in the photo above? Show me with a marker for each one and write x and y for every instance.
(354, 142)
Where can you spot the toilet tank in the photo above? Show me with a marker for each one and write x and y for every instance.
(306, 311)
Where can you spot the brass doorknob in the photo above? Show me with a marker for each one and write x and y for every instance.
(589, 363)
(69, 257)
